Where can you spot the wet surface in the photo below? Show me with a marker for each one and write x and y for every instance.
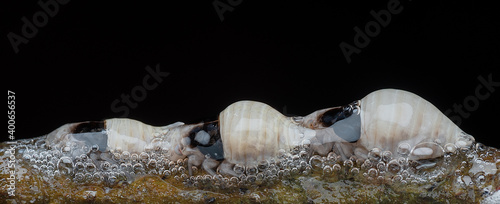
(83, 173)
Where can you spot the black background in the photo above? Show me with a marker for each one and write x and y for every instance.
(285, 54)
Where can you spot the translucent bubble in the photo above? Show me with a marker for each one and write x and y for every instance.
(144, 157)
(373, 172)
(303, 154)
(404, 149)
(174, 170)
(286, 173)
(263, 165)
(281, 153)
(239, 169)
(26, 157)
(184, 176)
(366, 164)
(181, 170)
(152, 164)
(307, 171)
(194, 169)
(331, 158)
(65, 165)
(94, 148)
(295, 171)
(302, 165)
(117, 156)
(79, 166)
(251, 179)
(393, 166)
(380, 179)
(234, 180)
(316, 163)
(480, 179)
(374, 154)
(79, 177)
(114, 167)
(171, 164)
(126, 167)
(180, 162)
(405, 174)
(336, 167)
(426, 150)
(106, 166)
(381, 166)
(138, 168)
(327, 170)
(90, 167)
(134, 157)
(251, 170)
(167, 173)
(397, 178)
(355, 171)
(386, 156)
(348, 163)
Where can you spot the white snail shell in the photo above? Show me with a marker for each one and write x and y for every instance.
(394, 118)
(253, 131)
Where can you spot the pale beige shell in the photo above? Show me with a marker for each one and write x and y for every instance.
(400, 121)
(253, 131)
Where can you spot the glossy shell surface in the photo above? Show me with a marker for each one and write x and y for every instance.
(253, 131)
(396, 120)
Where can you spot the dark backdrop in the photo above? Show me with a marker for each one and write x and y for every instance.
(86, 54)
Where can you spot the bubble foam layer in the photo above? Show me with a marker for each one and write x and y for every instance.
(86, 173)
